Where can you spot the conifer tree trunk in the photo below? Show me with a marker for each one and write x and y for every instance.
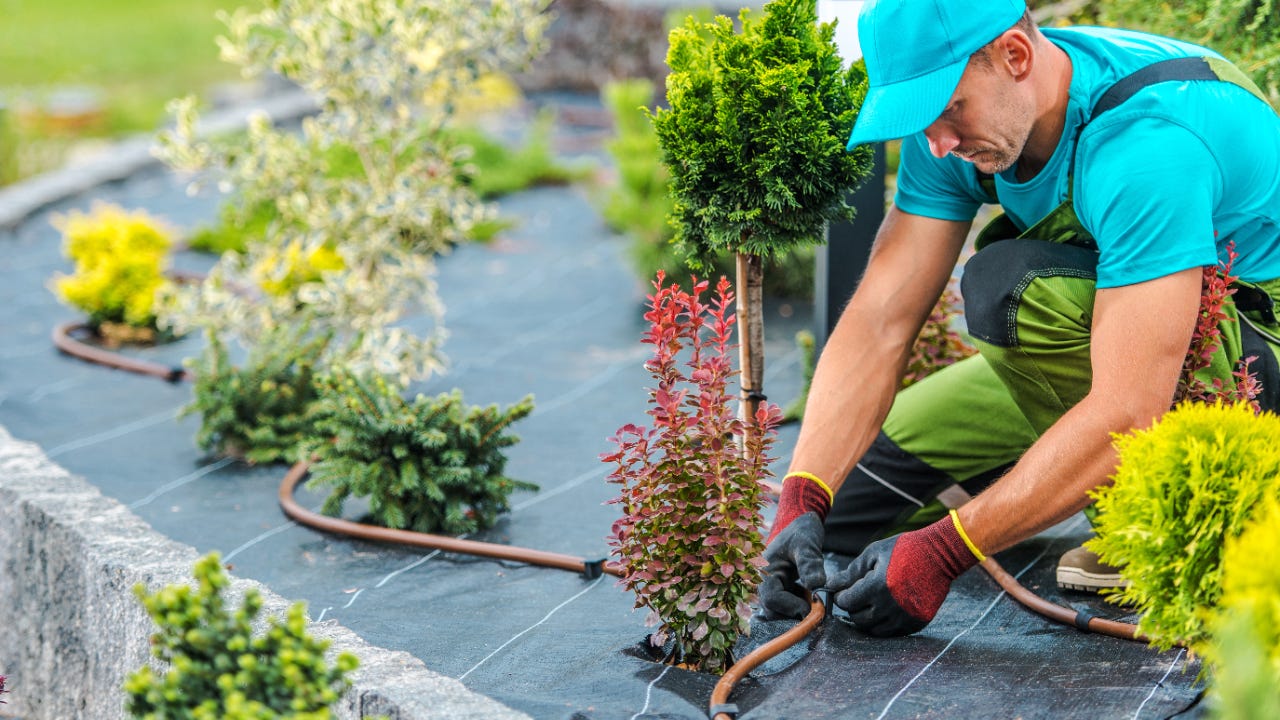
(750, 282)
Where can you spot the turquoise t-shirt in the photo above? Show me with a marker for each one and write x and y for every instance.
(1163, 182)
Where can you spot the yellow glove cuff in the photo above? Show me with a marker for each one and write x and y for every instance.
(831, 496)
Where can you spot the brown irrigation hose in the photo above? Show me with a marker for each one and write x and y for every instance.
(720, 707)
(64, 339)
(590, 569)
(1065, 615)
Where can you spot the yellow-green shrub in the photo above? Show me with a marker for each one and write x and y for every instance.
(1245, 650)
(120, 259)
(1181, 489)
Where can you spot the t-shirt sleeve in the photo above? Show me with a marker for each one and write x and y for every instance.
(1146, 188)
(944, 189)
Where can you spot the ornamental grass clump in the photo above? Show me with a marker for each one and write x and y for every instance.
(433, 465)
(1182, 488)
(120, 261)
(260, 411)
(1244, 652)
(691, 496)
(220, 669)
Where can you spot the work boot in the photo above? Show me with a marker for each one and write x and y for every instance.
(1080, 569)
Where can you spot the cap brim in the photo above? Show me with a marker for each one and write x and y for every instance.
(895, 111)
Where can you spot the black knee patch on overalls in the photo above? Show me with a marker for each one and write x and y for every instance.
(995, 278)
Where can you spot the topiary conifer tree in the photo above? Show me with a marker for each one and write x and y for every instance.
(755, 141)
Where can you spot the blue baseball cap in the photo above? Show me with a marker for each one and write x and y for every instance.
(916, 51)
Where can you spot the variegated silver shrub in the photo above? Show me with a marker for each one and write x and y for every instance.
(384, 73)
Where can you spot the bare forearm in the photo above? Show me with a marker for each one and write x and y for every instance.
(1049, 484)
(861, 366)
(1140, 336)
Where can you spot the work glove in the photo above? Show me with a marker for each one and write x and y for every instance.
(794, 548)
(896, 585)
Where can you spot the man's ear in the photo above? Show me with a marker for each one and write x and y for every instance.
(1016, 52)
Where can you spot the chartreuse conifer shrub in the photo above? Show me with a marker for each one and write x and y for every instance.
(220, 669)
(1182, 488)
(1244, 652)
(433, 465)
(384, 74)
(754, 138)
(120, 259)
(688, 540)
(260, 411)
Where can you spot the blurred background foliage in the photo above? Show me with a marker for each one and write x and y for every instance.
(79, 70)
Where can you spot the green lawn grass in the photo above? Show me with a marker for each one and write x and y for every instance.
(136, 54)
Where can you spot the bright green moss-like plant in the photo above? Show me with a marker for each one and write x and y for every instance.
(219, 669)
(1245, 649)
(1181, 489)
(432, 465)
(688, 540)
(120, 259)
(260, 411)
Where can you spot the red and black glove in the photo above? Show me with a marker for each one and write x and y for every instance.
(794, 547)
(896, 585)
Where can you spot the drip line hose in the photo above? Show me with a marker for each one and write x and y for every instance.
(64, 340)
(590, 569)
(721, 708)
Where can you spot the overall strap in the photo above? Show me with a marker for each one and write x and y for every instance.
(1181, 69)
(1175, 69)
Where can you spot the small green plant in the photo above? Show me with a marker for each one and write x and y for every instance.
(261, 411)
(1181, 489)
(219, 669)
(688, 540)
(637, 204)
(499, 169)
(1244, 652)
(430, 465)
(120, 260)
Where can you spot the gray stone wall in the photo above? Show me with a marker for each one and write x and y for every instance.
(73, 630)
(591, 42)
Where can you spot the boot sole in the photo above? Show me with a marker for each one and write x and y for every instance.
(1078, 579)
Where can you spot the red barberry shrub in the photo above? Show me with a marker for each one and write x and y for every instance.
(937, 345)
(1206, 340)
(688, 541)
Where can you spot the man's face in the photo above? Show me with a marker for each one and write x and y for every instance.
(986, 122)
